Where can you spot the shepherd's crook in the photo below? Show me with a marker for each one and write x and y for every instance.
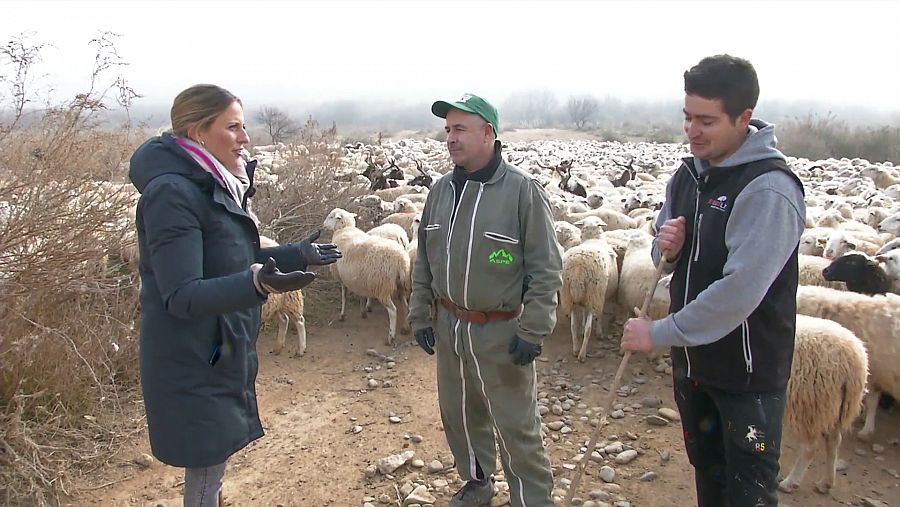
(612, 392)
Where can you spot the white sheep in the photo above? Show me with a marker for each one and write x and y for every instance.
(417, 200)
(873, 215)
(880, 176)
(891, 261)
(406, 205)
(824, 393)
(586, 272)
(619, 240)
(567, 235)
(891, 224)
(390, 194)
(893, 244)
(287, 307)
(810, 244)
(840, 242)
(372, 267)
(392, 232)
(659, 305)
(876, 321)
(614, 220)
(402, 220)
(638, 274)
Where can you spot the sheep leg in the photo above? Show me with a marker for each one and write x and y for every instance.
(343, 303)
(369, 305)
(792, 481)
(574, 327)
(403, 311)
(300, 324)
(871, 408)
(282, 333)
(588, 325)
(392, 319)
(363, 302)
(832, 443)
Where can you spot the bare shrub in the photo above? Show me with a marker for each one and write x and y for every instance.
(67, 308)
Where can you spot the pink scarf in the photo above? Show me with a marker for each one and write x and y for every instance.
(231, 183)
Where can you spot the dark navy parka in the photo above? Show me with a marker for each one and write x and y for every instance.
(196, 246)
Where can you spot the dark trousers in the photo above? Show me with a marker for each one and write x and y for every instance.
(733, 440)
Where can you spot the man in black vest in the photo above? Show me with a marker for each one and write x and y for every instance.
(729, 232)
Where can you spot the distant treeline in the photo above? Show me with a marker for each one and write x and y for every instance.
(809, 129)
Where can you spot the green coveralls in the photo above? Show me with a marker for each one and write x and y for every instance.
(497, 252)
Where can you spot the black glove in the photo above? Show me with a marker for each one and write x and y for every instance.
(273, 281)
(318, 254)
(524, 352)
(425, 339)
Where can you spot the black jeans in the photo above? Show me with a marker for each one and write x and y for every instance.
(733, 440)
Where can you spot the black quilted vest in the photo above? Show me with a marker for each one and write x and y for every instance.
(757, 355)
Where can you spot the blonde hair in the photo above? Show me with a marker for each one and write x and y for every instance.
(199, 106)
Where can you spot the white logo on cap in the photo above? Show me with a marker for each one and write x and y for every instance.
(465, 97)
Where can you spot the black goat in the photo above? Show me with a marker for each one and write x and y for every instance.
(381, 178)
(423, 179)
(628, 173)
(566, 183)
(862, 274)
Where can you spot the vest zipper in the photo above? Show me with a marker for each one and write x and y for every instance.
(748, 354)
(687, 280)
(699, 223)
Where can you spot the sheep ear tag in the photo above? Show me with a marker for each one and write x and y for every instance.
(500, 256)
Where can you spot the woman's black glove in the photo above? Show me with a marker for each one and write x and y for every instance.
(318, 254)
(270, 280)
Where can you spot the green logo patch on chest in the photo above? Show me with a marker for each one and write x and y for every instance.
(500, 256)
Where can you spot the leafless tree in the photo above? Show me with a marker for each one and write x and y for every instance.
(582, 109)
(277, 123)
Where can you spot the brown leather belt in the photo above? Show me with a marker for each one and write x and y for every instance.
(477, 317)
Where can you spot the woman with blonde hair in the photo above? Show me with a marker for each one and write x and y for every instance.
(203, 281)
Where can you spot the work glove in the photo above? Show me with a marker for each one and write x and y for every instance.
(318, 254)
(270, 280)
(523, 351)
(425, 339)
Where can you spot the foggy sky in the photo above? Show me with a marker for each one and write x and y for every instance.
(293, 52)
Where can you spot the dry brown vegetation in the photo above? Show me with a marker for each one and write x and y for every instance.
(67, 302)
(821, 137)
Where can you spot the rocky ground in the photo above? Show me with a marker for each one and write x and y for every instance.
(355, 422)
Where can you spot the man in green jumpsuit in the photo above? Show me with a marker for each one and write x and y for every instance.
(489, 262)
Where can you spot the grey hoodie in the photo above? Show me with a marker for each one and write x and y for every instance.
(771, 207)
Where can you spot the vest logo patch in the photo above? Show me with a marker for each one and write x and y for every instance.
(500, 256)
(719, 203)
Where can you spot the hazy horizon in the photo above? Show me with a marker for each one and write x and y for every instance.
(837, 56)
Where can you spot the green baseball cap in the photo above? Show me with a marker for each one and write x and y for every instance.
(469, 103)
